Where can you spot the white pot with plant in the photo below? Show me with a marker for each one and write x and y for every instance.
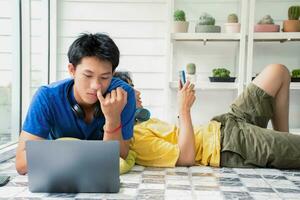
(191, 72)
(206, 24)
(266, 24)
(180, 24)
(232, 25)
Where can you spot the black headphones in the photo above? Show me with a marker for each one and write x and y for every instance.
(76, 108)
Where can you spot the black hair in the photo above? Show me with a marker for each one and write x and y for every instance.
(98, 45)
(123, 75)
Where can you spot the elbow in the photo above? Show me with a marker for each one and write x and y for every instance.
(21, 167)
(124, 152)
(189, 162)
(186, 159)
(22, 170)
(185, 162)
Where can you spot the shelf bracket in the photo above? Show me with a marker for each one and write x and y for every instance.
(204, 41)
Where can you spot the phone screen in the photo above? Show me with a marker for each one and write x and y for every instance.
(182, 77)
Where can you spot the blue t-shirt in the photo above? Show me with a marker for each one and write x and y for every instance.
(50, 115)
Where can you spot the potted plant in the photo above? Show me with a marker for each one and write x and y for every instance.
(266, 24)
(191, 72)
(206, 24)
(221, 75)
(232, 25)
(295, 75)
(180, 24)
(293, 24)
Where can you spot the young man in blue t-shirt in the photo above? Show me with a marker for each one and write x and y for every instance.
(92, 105)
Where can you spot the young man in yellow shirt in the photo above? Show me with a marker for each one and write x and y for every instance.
(238, 138)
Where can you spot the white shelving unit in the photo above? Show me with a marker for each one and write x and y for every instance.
(235, 42)
(276, 37)
(202, 85)
(254, 37)
(245, 41)
(203, 39)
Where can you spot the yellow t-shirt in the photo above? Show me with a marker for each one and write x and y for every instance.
(155, 143)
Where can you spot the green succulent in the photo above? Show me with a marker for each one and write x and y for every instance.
(206, 19)
(221, 72)
(296, 73)
(232, 18)
(267, 19)
(179, 15)
(191, 68)
(294, 12)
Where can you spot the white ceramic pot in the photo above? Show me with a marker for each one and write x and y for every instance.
(232, 27)
(180, 27)
(192, 78)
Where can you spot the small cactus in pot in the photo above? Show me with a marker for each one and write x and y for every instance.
(232, 25)
(206, 24)
(180, 23)
(191, 72)
(267, 19)
(266, 24)
(294, 12)
(232, 18)
(293, 24)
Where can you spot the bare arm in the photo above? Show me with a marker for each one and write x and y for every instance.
(117, 135)
(21, 163)
(112, 106)
(186, 140)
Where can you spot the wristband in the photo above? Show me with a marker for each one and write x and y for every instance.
(112, 131)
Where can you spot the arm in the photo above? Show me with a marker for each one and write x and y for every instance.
(21, 163)
(38, 121)
(186, 140)
(112, 106)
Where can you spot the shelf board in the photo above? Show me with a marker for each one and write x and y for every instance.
(206, 85)
(277, 36)
(206, 36)
(209, 85)
(295, 131)
(295, 86)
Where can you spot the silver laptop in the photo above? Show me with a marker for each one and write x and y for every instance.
(73, 166)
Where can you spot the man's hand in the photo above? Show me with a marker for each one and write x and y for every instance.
(186, 97)
(112, 106)
(113, 103)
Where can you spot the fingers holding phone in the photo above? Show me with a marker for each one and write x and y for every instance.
(186, 93)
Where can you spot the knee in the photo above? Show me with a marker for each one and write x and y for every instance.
(281, 71)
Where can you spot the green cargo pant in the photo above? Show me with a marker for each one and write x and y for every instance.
(245, 141)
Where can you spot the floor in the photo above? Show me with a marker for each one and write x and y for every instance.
(177, 183)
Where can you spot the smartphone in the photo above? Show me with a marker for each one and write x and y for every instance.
(3, 180)
(182, 77)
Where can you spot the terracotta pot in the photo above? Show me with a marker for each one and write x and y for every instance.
(180, 27)
(266, 28)
(232, 27)
(291, 26)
